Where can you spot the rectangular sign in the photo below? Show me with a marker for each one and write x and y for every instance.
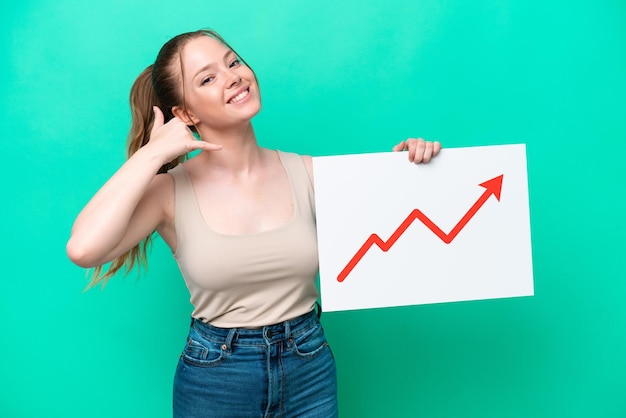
(393, 233)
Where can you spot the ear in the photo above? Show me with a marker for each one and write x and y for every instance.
(185, 116)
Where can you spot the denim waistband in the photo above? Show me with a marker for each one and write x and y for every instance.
(276, 332)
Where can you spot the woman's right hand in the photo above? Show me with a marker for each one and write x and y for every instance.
(174, 138)
(134, 201)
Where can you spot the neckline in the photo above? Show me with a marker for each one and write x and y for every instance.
(252, 234)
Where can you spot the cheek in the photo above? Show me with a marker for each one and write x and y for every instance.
(204, 101)
(255, 83)
(248, 74)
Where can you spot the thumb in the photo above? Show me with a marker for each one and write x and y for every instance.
(158, 119)
(399, 147)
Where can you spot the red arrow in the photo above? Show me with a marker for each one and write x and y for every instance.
(493, 187)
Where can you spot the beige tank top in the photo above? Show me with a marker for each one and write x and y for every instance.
(249, 280)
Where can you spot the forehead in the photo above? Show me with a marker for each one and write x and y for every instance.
(202, 51)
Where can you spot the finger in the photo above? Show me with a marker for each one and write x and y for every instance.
(428, 152)
(411, 146)
(398, 147)
(418, 154)
(158, 119)
(436, 148)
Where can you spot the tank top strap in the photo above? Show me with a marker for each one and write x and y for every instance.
(300, 181)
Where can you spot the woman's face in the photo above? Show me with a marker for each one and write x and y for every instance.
(219, 90)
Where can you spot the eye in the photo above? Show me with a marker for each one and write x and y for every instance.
(207, 80)
(235, 63)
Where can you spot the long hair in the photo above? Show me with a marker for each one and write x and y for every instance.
(160, 84)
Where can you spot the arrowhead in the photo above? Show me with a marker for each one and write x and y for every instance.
(493, 186)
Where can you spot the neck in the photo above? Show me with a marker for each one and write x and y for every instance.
(240, 152)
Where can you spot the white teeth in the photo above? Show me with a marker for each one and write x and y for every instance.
(239, 97)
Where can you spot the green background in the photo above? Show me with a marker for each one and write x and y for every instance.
(337, 77)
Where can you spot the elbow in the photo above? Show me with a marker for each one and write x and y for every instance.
(79, 255)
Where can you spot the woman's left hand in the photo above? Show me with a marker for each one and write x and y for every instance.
(420, 151)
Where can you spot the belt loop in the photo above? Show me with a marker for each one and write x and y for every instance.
(319, 309)
(287, 330)
(229, 338)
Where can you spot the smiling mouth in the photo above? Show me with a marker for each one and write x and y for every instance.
(239, 97)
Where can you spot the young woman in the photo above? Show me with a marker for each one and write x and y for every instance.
(240, 221)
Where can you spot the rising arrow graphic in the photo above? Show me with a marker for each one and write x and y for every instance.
(493, 187)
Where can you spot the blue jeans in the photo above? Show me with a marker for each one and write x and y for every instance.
(283, 370)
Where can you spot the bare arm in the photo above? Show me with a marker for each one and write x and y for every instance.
(119, 215)
(132, 203)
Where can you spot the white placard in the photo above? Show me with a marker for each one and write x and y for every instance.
(392, 233)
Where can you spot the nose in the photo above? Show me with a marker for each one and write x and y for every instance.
(234, 79)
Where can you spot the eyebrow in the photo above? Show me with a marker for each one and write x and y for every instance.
(208, 66)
